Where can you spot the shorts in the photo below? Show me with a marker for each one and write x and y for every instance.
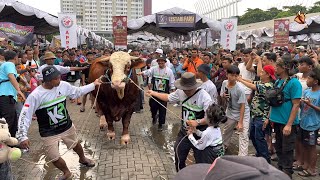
(308, 137)
(76, 83)
(51, 143)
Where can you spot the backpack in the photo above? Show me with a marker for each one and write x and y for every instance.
(275, 96)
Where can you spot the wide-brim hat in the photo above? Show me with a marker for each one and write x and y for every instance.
(187, 81)
(49, 55)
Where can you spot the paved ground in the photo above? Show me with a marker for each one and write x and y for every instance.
(148, 156)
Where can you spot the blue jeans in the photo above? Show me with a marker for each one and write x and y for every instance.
(257, 136)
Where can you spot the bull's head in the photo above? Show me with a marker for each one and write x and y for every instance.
(120, 64)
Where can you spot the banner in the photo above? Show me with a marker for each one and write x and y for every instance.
(281, 32)
(181, 20)
(68, 30)
(229, 33)
(119, 24)
(20, 35)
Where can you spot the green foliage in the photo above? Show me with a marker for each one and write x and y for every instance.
(258, 15)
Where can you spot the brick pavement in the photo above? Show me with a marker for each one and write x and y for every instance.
(148, 156)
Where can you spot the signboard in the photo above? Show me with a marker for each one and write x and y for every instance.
(119, 24)
(229, 33)
(181, 20)
(281, 32)
(68, 30)
(20, 35)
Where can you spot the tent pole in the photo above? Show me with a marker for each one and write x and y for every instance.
(192, 39)
(206, 38)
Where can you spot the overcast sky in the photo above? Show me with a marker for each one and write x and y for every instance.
(53, 6)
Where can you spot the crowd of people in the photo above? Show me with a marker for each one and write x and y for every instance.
(271, 97)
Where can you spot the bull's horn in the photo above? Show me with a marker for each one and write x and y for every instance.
(133, 58)
(104, 59)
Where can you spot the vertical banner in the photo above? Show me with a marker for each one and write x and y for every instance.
(68, 30)
(229, 33)
(281, 32)
(119, 24)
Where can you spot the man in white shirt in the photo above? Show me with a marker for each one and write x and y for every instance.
(158, 53)
(207, 85)
(247, 74)
(48, 102)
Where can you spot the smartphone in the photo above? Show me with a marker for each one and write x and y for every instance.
(30, 63)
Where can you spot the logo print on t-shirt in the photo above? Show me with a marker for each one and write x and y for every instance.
(57, 114)
(160, 84)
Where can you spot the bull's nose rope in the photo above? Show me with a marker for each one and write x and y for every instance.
(157, 101)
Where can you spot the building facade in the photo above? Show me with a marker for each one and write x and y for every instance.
(96, 15)
(218, 9)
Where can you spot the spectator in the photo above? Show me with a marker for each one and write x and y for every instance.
(207, 85)
(260, 110)
(58, 60)
(9, 88)
(310, 124)
(238, 111)
(285, 116)
(193, 62)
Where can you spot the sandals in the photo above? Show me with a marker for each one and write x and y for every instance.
(89, 163)
(296, 167)
(306, 173)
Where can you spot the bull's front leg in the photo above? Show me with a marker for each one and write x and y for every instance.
(125, 138)
(110, 133)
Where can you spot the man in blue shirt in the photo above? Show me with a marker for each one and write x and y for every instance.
(285, 116)
(9, 87)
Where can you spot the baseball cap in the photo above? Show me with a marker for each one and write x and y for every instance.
(232, 168)
(270, 70)
(162, 57)
(49, 73)
(160, 51)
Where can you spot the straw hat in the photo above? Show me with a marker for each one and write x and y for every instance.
(49, 55)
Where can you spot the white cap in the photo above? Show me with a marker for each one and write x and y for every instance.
(301, 47)
(130, 50)
(160, 51)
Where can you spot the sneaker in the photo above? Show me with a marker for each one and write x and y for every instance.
(175, 105)
(160, 127)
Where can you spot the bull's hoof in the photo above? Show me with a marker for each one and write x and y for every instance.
(111, 135)
(125, 139)
(103, 123)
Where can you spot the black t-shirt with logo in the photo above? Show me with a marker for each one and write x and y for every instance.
(72, 76)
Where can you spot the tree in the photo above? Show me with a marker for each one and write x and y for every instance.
(254, 15)
(315, 8)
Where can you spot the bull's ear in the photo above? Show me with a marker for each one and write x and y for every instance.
(138, 65)
(133, 58)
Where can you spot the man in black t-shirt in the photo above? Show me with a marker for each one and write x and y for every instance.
(73, 77)
(85, 76)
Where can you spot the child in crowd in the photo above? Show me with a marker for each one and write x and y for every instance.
(238, 111)
(210, 142)
(310, 124)
(33, 79)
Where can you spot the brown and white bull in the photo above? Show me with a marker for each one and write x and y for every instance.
(117, 97)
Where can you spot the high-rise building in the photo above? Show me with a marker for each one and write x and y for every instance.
(217, 9)
(96, 15)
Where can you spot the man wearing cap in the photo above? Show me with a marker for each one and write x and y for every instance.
(195, 102)
(49, 58)
(285, 116)
(207, 85)
(232, 168)
(301, 52)
(260, 110)
(48, 102)
(162, 79)
(154, 62)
